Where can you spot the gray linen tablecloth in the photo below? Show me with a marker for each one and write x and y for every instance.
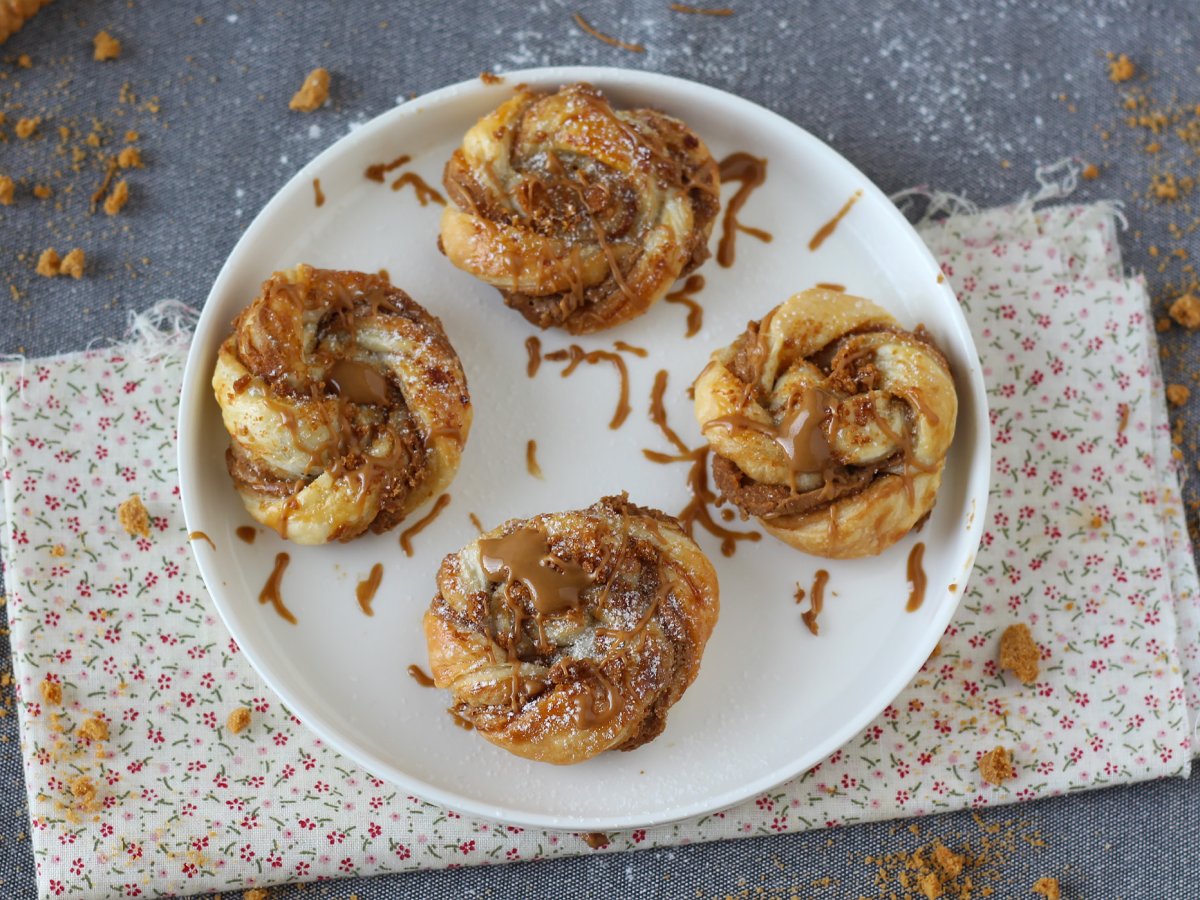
(966, 96)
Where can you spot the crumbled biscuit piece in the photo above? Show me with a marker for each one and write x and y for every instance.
(48, 263)
(1177, 394)
(117, 199)
(94, 729)
(1047, 887)
(58, 551)
(105, 46)
(930, 885)
(1186, 311)
(313, 92)
(72, 264)
(996, 766)
(26, 127)
(7, 190)
(255, 894)
(84, 792)
(948, 861)
(239, 720)
(42, 191)
(133, 516)
(1091, 172)
(1163, 324)
(1019, 652)
(51, 693)
(131, 136)
(1120, 69)
(130, 158)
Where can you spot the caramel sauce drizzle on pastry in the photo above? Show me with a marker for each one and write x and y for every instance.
(572, 633)
(346, 405)
(829, 423)
(751, 171)
(582, 216)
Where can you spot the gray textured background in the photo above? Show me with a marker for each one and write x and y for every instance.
(936, 93)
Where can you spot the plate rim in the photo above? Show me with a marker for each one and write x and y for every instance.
(977, 488)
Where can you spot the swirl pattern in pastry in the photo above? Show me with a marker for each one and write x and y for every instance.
(830, 423)
(346, 405)
(568, 634)
(581, 215)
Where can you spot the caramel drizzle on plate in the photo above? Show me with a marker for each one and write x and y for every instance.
(247, 533)
(684, 297)
(533, 347)
(697, 510)
(424, 191)
(816, 602)
(916, 577)
(318, 194)
(531, 463)
(828, 228)
(751, 171)
(419, 676)
(270, 592)
(201, 536)
(577, 355)
(421, 524)
(376, 171)
(365, 590)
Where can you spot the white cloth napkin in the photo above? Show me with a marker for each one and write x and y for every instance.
(1085, 543)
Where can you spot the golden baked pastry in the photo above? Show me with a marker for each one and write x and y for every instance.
(830, 423)
(572, 633)
(346, 406)
(580, 214)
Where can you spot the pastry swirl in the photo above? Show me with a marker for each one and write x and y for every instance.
(581, 215)
(830, 423)
(346, 405)
(568, 634)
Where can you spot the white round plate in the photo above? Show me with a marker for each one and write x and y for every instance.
(771, 699)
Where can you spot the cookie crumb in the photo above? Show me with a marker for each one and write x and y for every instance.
(72, 264)
(94, 729)
(313, 92)
(106, 47)
(84, 792)
(133, 516)
(1090, 172)
(1047, 887)
(255, 894)
(930, 885)
(58, 551)
(1186, 311)
(130, 158)
(43, 191)
(7, 190)
(48, 263)
(1019, 652)
(51, 693)
(1121, 69)
(27, 127)
(117, 199)
(1177, 394)
(948, 861)
(239, 720)
(996, 766)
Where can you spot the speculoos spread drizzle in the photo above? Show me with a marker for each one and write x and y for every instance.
(816, 600)
(577, 355)
(421, 524)
(201, 536)
(697, 509)
(365, 590)
(829, 227)
(424, 191)
(533, 347)
(751, 171)
(247, 533)
(270, 592)
(418, 675)
(685, 297)
(916, 577)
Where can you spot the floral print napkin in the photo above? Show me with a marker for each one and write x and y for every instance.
(1085, 542)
